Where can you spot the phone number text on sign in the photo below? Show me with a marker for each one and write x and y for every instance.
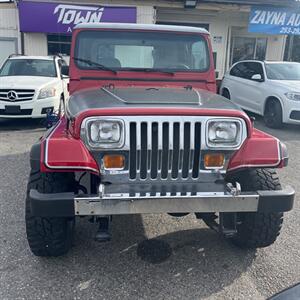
(290, 30)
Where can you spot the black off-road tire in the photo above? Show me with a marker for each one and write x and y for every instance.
(273, 114)
(49, 236)
(257, 230)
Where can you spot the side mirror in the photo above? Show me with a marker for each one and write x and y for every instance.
(257, 77)
(64, 71)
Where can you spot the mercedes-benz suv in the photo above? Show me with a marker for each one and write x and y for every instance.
(32, 86)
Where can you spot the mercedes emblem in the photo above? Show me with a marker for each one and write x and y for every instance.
(12, 96)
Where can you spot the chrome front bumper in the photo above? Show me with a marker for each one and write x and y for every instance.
(68, 204)
(218, 202)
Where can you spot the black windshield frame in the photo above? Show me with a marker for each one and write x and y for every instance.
(196, 36)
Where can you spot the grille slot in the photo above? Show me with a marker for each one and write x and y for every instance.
(154, 152)
(175, 159)
(186, 150)
(133, 153)
(144, 151)
(164, 150)
(21, 95)
(196, 162)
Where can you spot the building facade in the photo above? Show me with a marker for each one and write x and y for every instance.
(9, 30)
(44, 28)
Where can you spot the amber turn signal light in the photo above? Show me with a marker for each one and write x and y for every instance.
(214, 160)
(114, 161)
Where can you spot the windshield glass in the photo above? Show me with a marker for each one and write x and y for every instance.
(284, 71)
(142, 50)
(28, 67)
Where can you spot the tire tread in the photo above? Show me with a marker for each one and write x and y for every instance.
(257, 230)
(48, 236)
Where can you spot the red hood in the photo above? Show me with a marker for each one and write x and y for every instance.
(90, 79)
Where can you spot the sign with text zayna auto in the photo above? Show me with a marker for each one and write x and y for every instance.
(62, 18)
(274, 20)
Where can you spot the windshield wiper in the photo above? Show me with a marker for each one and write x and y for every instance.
(93, 63)
(151, 70)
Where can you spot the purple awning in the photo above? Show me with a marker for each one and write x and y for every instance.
(62, 18)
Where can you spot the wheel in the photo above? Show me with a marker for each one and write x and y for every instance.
(61, 109)
(257, 230)
(226, 94)
(49, 236)
(273, 114)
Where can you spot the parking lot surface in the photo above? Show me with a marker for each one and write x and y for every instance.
(150, 256)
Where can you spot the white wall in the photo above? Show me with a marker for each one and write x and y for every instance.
(9, 31)
(8, 21)
(35, 44)
(145, 14)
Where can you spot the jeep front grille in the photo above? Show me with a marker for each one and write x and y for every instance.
(161, 150)
(11, 95)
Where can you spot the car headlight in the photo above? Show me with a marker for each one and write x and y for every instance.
(104, 133)
(47, 93)
(293, 96)
(224, 133)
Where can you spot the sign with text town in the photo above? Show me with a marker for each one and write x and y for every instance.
(62, 18)
(274, 20)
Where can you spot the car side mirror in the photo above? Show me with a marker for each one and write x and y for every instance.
(64, 71)
(257, 77)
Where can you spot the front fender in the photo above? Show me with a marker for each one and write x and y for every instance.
(60, 151)
(261, 150)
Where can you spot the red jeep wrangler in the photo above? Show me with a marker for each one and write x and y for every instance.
(144, 132)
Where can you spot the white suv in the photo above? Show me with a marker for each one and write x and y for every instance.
(270, 89)
(32, 86)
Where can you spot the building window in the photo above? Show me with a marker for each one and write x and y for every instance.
(292, 47)
(248, 48)
(59, 44)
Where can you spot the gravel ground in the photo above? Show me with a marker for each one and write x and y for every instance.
(150, 256)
